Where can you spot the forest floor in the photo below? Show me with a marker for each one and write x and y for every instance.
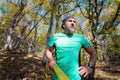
(21, 66)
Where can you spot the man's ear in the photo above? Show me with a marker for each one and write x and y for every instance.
(63, 26)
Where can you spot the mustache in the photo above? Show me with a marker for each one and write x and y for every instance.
(73, 26)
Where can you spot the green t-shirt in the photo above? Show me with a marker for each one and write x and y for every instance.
(67, 53)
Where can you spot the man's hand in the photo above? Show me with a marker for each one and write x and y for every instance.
(85, 71)
(52, 63)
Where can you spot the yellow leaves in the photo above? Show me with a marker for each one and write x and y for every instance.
(1, 4)
(47, 4)
(78, 14)
(111, 9)
(118, 1)
(87, 22)
(17, 29)
(11, 5)
(37, 1)
(108, 12)
(12, 8)
(27, 9)
(32, 33)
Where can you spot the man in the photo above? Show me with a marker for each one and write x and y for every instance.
(67, 46)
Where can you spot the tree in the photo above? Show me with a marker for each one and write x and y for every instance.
(93, 11)
(26, 19)
(14, 21)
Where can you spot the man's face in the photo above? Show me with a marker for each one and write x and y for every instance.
(70, 25)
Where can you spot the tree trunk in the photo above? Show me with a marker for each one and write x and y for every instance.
(15, 20)
(48, 36)
(8, 45)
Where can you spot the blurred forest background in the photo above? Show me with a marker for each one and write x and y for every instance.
(26, 25)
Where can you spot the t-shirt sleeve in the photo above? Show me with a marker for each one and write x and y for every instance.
(86, 43)
(51, 41)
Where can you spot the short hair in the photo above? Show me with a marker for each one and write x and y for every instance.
(65, 19)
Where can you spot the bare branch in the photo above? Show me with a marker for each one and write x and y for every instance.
(36, 25)
(66, 12)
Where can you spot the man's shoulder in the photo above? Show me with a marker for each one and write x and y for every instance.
(57, 35)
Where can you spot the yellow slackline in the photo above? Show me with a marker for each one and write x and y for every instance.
(61, 75)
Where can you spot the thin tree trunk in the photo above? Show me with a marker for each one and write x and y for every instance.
(49, 32)
(8, 45)
(48, 36)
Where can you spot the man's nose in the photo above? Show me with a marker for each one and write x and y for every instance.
(72, 24)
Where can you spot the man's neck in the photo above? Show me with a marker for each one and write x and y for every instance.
(69, 34)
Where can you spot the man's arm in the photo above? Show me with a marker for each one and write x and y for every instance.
(86, 70)
(48, 52)
(93, 55)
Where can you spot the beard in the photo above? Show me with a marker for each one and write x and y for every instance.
(70, 30)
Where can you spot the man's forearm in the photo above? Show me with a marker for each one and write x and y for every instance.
(49, 55)
(93, 58)
(93, 55)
